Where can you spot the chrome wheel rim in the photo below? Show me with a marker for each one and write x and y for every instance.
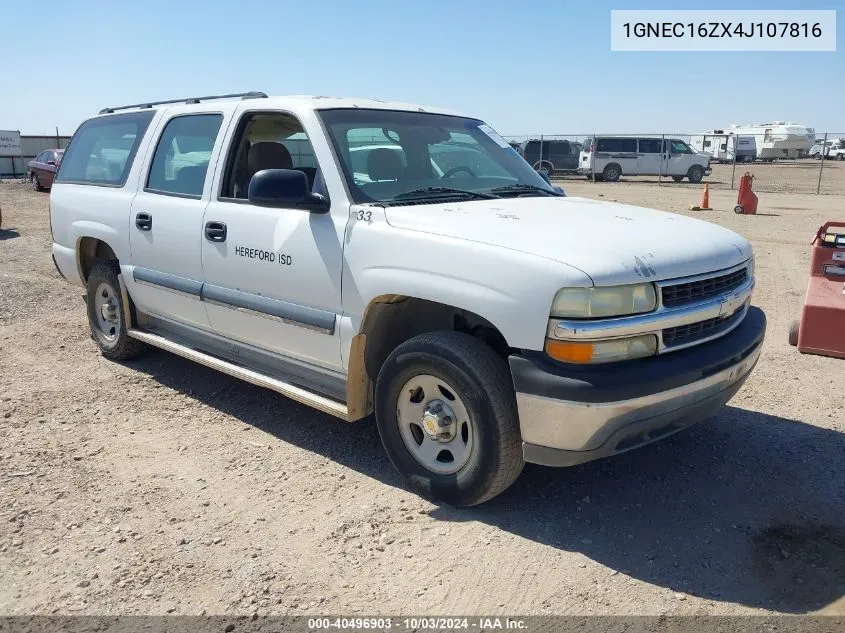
(106, 312)
(33, 179)
(434, 424)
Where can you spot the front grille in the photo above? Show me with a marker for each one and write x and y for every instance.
(684, 334)
(693, 291)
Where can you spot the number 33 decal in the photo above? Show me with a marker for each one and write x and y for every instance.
(364, 215)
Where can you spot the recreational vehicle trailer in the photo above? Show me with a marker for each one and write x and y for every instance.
(778, 139)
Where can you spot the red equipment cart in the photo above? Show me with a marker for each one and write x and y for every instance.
(746, 200)
(822, 326)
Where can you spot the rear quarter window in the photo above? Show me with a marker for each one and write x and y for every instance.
(102, 150)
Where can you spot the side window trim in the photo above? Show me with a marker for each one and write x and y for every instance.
(154, 149)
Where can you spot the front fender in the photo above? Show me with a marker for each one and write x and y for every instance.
(511, 289)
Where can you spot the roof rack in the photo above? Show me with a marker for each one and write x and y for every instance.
(189, 100)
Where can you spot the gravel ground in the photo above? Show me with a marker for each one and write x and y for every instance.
(159, 486)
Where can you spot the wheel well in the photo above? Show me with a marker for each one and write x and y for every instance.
(389, 321)
(91, 251)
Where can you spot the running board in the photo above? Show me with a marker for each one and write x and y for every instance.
(321, 403)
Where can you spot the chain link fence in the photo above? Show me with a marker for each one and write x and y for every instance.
(673, 159)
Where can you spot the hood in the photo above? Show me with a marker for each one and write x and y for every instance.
(612, 243)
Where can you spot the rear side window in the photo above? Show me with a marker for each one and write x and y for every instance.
(617, 145)
(649, 146)
(102, 150)
(181, 158)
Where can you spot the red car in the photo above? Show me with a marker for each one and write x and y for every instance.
(42, 169)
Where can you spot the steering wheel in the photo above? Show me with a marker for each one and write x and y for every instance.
(455, 170)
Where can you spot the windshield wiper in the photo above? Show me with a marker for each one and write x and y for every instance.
(441, 192)
(523, 188)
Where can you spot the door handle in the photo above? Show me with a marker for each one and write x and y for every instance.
(215, 231)
(144, 221)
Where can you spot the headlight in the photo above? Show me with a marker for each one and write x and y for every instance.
(602, 351)
(604, 302)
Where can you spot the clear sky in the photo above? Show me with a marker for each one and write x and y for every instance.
(524, 67)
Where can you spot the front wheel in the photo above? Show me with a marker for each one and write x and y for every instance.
(695, 173)
(107, 318)
(34, 182)
(446, 413)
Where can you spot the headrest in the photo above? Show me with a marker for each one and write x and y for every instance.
(384, 164)
(268, 155)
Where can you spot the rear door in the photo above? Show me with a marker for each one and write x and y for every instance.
(165, 226)
(49, 168)
(619, 150)
(648, 156)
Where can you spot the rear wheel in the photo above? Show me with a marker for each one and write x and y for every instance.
(446, 413)
(840, 156)
(611, 173)
(107, 318)
(695, 173)
(793, 333)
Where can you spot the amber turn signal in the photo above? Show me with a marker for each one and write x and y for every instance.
(569, 352)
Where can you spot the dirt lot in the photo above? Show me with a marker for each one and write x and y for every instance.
(785, 176)
(160, 486)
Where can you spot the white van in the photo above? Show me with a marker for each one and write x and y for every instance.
(609, 157)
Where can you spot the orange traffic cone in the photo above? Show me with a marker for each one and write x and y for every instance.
(705, 201)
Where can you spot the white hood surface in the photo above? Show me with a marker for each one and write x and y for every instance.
(612, 243)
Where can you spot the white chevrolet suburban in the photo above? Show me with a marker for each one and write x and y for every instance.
(365, 257)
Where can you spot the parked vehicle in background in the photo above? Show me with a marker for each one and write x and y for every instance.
(403, 262)
(41, 170)
(778, 139)
(836, 150)
(819, 149)
(551, 156)
(721, 146)
(609, 157)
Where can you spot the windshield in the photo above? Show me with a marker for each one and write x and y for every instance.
(390, 156)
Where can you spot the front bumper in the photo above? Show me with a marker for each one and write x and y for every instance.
(569, 416)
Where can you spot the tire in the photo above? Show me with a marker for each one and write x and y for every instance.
(793, 333)
(840, 156)
(34, 182)
(695, 173)
(677, 178)
(486, 452)
(738, 209)
(611, 173)
(544, 166)
(106, 316)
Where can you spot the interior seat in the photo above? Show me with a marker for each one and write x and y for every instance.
(384, 164)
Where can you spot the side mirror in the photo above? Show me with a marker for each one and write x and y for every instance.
(285, 189)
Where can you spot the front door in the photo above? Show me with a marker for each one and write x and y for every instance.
(165, 225)
(273, 275)
(678, 158)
